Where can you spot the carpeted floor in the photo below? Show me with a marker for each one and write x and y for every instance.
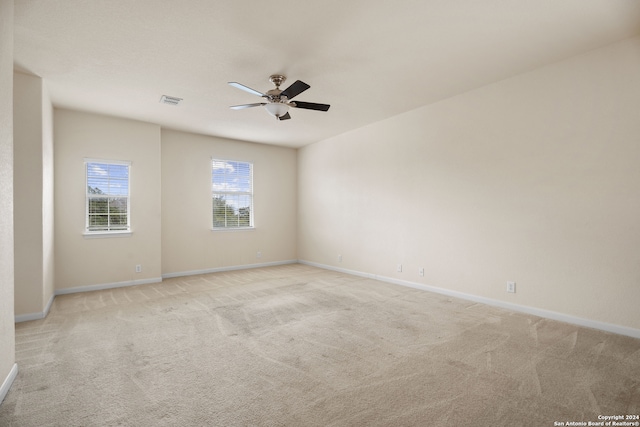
(299, 346)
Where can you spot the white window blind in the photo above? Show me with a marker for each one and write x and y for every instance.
(107, 201)
(232, 194)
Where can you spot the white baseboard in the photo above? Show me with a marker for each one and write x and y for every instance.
(103, 286)
(48, 307)
(35, 316)
(41, 315)
(6, 384)
(29, 316)
(231, 268)
(553, 315)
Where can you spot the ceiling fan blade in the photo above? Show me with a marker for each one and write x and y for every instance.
(310, 105)
(285, 117)
(295, 89)
(243, 106)
(247, 89)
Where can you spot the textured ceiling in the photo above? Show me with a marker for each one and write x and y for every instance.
(368, 59)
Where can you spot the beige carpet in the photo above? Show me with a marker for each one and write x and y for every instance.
(300, 346)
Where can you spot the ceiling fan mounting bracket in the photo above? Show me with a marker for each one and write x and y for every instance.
(277, 79)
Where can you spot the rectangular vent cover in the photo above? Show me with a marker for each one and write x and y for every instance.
(170, 100)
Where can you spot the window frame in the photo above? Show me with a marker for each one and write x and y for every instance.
(250, 194)
(110, 231)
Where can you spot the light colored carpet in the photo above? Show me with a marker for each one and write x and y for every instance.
(299, 346)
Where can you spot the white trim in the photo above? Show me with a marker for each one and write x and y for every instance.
(48, 307)
(103, 286)
(231, 229)
(88, 288)
(232, 268)
(6, 384)
(553, 315)
(115, 162)
(106, 234)
(29, 316)
(35, 316)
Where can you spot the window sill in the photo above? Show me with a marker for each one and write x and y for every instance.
(231, 229)
(105, 234)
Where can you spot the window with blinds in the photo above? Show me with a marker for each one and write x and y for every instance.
(232, 194)
(107, 207)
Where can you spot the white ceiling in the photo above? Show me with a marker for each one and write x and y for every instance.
(368, 59)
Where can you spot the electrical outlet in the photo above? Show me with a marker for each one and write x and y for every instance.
(339, 258)
(421, 272)
(258, 254)
(138, 268)
(399, 268)
(511, 287)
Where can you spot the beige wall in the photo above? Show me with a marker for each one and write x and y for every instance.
(7, 328)
(27, 176)
(82, 261)
(33, 191)
(534, 179)
(170, 203)
(188, 244)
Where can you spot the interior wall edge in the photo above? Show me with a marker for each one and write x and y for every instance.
(35, 316)
(6, 384)
(547, 314)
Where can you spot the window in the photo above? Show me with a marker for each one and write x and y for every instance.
(232, 194)
(107, 207)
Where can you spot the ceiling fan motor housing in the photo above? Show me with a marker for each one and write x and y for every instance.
(274, 94)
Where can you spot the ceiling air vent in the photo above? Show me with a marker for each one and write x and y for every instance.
(170, 100)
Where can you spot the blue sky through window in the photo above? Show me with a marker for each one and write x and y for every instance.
(230, 176)
(108, 179)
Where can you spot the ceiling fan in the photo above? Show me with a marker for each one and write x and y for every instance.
(279, 101)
